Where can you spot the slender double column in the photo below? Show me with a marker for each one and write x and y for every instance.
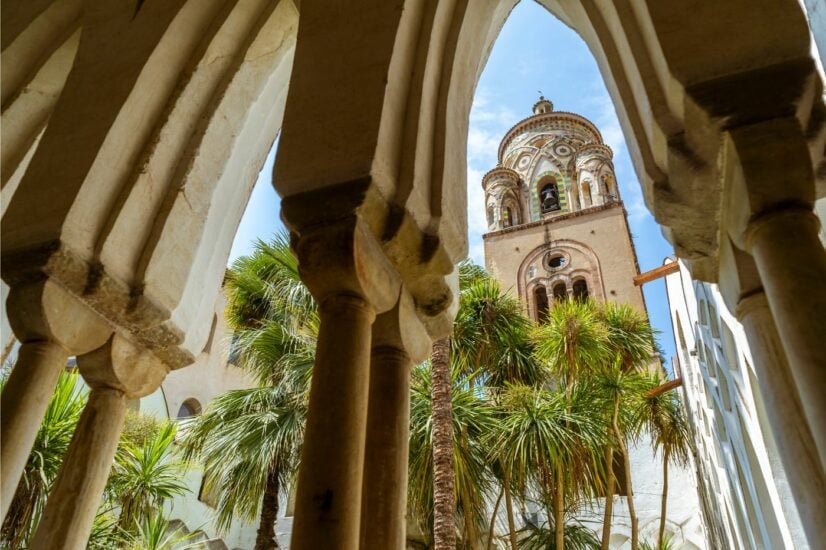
(328, 504)
(399, 339)
(792, 435)
(116, 372)
(51, 326)
(347, 272)
(791, 262)
(73, 503)
(24, 401)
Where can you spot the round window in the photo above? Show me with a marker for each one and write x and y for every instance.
(556, 261)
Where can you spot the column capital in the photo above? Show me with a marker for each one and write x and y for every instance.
(44, 310)
(750, 303)
(400, 328)
(768, 168)
(343, 257)
(121, 365)
(783, 217)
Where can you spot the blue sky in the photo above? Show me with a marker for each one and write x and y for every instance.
(534, 52)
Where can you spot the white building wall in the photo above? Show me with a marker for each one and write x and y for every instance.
(683, 521)
(746, 498)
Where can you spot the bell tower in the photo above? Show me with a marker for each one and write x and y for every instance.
(557, 228)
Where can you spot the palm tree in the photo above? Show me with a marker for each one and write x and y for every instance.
(249, 441)
(577, 537)
(471, 419)
(145, 476)
(153, 532)
(542, 433)
(444, 504)
(625, 391)
(489, 339)
(631, 347)
(670, 435)
(572, 343)
(50, 445)
(491, 344)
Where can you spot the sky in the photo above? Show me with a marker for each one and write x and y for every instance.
(534, 53)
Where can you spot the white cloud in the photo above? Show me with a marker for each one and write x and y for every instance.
(608, 123)
(490, 118)
(476, 251)
(476, 216)
(482, 146)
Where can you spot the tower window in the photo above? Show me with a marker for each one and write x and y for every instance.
(507, 216)
(580, 289)
(609, 189)
(586, 194)
(541, 298)
(560, 292)
(549, 197)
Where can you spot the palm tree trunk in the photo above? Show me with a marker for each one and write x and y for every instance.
(609, 499)
(509, 506)
(265, 539)
(665, 500)
(493, 518)
(629, 486)
(444, 513)
(559, 510)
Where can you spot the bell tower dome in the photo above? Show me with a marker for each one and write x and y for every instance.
(557, 228)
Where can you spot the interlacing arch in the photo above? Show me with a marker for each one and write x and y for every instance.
(121, 207)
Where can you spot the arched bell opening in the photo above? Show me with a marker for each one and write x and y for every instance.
(580, 290)
(540, 297)
(560, 292)
(548, 194)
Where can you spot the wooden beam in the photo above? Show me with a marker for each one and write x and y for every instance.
(662, 388)
(662, 271)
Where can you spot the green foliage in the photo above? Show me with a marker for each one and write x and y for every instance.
(668, 544)
(245, 434)
(491, 334)
(577, 537)
(662, 415)
(40, 473)
(105, 533)
(239, 438)
(572, 341)
(145, 476)
(153, 532)
(540, 430)
(472, 420)
(138, 428)
(273, 316)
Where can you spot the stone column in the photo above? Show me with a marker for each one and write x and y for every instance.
(384, 493)
(789, 426)
(116, 372)
(51, 326)
(791, 261)
(73, 503)
(342, 266)
(24, 401)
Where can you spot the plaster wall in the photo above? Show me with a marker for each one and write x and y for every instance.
(683, 524)
(749, 503)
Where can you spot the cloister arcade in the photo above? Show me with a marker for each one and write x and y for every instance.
(133, 130)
